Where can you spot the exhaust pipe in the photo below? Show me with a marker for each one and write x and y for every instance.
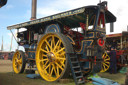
(33, 13)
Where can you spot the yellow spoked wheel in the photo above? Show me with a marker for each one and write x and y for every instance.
(105, 63)
(51, 57)
(18, 62)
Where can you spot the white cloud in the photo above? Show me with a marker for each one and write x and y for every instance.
(44, 12)
(9, 6)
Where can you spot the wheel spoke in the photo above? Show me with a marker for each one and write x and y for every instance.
(62, 54)
(44, 50)
(52, 43)
(60, 50)
(51, 71)
(107, 62)
(46, 67)
(16, 60)
(47, 48)
(49, 68)
(57, 70)
(48, 44)
(18, 68)
(106, 59)
(56, 45)
(43, 55)
(106, 65)
(42, 60)
(19, 56)
(54, 70)
(62, 64)
(16, 64)
(20, 61)
(59, 66)
(45, 63)
(61, 58)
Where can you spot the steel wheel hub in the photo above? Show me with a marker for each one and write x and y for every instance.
(51, 57)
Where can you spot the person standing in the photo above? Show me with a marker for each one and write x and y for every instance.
(114, 44)
(113, 61)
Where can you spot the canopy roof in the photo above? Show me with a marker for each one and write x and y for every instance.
(71, 18)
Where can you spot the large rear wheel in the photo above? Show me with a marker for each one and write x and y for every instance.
(51, 59)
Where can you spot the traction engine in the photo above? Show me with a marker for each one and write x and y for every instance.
(64, 43)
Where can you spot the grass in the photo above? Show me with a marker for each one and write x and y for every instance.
(120, 78)
(21, 79)
(7, 77)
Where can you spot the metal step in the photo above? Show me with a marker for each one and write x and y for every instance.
(79, 77)
(76, 67)
(77, 72)
(81, 82)
(74, 62)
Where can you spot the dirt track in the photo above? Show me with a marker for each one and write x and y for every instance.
(5, 66)
(7, 77)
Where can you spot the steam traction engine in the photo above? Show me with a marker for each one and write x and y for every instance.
(71, 41)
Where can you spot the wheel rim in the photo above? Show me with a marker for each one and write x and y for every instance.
(105, 63)
(17, 62)
(51, 58)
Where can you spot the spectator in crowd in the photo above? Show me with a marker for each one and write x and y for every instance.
(114, 44)
(113, 62)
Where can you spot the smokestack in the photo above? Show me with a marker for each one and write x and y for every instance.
(111, 27)
(33, 15)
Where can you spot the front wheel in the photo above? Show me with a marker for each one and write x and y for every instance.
(19, 62)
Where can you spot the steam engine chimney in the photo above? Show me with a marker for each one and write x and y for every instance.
(34, 5)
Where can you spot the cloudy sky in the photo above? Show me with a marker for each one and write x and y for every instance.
(17, 11)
